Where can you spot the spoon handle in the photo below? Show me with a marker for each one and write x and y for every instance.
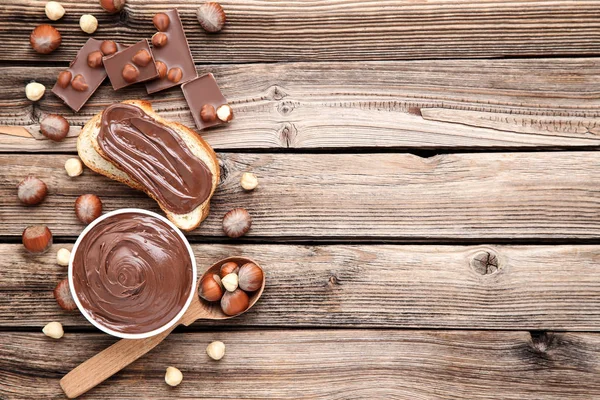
(108, 362)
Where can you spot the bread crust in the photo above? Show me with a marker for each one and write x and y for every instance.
(95, 159)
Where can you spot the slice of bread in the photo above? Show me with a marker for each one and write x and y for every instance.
(93, 157)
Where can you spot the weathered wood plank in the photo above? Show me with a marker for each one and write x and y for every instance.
(535, 103)
(354, 196)
(322, 364)
(258, 31)
(475, 287)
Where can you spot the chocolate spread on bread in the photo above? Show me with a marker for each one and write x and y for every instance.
(132, 273)
(156, 156)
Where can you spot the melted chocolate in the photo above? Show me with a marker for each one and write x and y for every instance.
(132, 273)
(155, 156)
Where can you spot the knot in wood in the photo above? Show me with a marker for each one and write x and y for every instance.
(541, 342)
(485, 262)
(285, 107)
(276, 93)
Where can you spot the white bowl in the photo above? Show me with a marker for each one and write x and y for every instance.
(133, 335)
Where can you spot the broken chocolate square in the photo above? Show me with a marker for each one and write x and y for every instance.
(76, 84)
(134, 64)
(171, 52)
(204, 99)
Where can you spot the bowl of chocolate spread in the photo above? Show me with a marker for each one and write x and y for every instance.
(132, 273)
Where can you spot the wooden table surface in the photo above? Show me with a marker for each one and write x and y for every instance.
(427, 215)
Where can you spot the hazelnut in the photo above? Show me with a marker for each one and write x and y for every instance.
(64, 79)
(63, 256)
(74, 167)
(88, 23)
(230, 282)
(94, 59)
(34, 91)
(88, 207)
(175, 75)
(112, 6)
(237, 222)
(78, 83)
(37, 238)
(161, 21)
(32, 191)
(211, 16)
(54, 127)
(249, 181)
(130, 73)
(216, 350)
(54, 10)
(53, 330)
(142, 58)
(45, 39)
(173, 376)
(159, 39)
(233, 303)
(108, 47)
(228, 268)
(225, 113)
(211, 288)
(162, 69)
(208, 113)
(250, 277)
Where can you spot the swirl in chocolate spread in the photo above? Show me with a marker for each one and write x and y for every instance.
(155, 156)
(132, 273)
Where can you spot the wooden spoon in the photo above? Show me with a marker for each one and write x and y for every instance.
(116, 357)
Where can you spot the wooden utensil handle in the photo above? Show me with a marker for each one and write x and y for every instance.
(108, 362)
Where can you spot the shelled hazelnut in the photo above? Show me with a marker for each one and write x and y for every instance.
(34, 91)
(173, 376)
(54, 10)
(225, 113)
(216, 350)
(63, 256)
(88, 23)
(249, 181)
(74, 167)
(53, 330)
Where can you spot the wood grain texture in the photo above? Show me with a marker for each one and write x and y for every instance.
(322, 364)
(482, 197)
(474, 287)
(258, 31)
(532, 103)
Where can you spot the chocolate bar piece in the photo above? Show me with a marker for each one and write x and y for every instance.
(76, 84)
(204, 91)
(134, 64)
(171, 52)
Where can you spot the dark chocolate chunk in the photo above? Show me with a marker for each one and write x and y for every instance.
(122, 72)
(76, 84)
(175, 53)
(200, 92)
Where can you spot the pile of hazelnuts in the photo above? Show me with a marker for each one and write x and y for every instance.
(232, 286)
